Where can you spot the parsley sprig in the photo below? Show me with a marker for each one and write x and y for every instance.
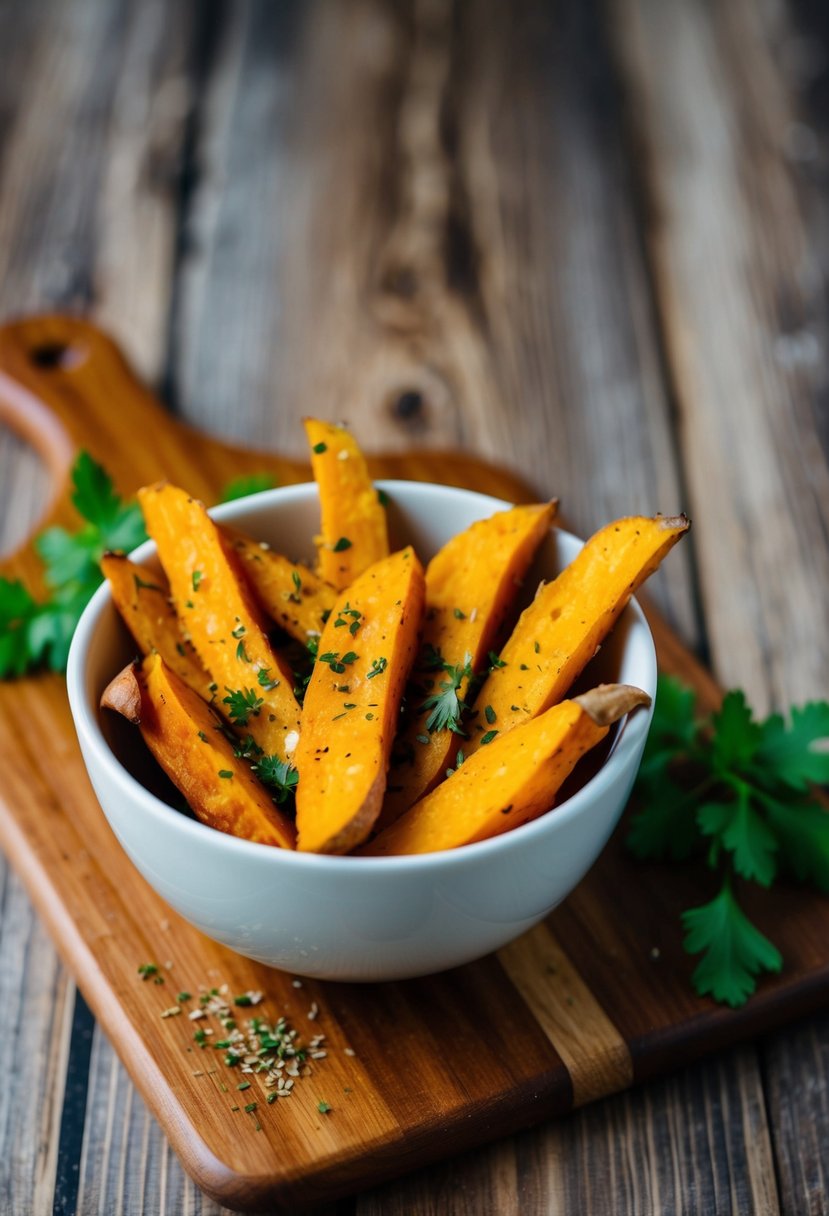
(446, 707)
(36, 634)
(740, 793)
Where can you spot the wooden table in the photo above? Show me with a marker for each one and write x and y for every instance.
(586, 241)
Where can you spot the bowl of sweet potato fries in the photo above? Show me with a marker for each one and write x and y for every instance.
(362, 731)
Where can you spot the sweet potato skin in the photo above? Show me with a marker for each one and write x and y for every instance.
(354, 533)
(293, 596)
(510, 781)
(351, 708)
(221, 616)
(559, 632)
(470, 585)
(142, 597)
(187, 740)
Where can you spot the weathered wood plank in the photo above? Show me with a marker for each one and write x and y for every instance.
(36, 997)
(421, 218)
(94, 109)
(796, 1065)
(127, 1166)
(693, 1144)
(92, 118)
(743, 307)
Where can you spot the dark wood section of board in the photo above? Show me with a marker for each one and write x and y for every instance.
(584, 240)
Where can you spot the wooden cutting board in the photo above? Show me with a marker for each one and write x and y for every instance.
(591, 1001)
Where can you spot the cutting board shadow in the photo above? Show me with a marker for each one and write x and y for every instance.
(589, 1002)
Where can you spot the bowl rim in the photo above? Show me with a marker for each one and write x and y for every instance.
(632, 731)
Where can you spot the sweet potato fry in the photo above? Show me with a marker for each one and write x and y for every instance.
(352, 704)
(559, 632)
(187, 740)
(470, 585)
(354, 533)
(511, 781)
(142, 597)
(254, 687)
(293, 596)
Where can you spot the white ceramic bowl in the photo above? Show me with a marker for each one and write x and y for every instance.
(349, 918)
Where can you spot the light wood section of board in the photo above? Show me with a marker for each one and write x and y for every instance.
(591, 1047)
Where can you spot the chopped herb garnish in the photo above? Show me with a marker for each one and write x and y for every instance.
(489, 714)
(382, 497)
(537, 647)
(238, 632)
(378, 666)
(203, 737)
(495, 661)
(271, 1098)
(241, 654)
(431, 658)
(242, 1084)
(459, 615)
(183, 996)
(225, 773)
(141, 585)
(251, 1106)
(264, 678)
(145, 970)
(488, 737)
(278, 775)
(342, 544)
(323, 1108)
(241, 704)
(296, 595)
(197, 577)
(319, 448)
(422, 738)
(445, 708)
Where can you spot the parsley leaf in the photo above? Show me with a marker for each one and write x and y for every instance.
(738, 792)
(278, 775)
(248, 483)
(241, 703)
(794, 752)
(733, 950)
(446, 707)
(36, 634)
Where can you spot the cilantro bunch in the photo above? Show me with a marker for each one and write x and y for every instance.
(740, 794)
(36, 634)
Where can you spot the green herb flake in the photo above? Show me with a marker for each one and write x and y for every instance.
(319, 448)
(197, 577)
(242, 702)
(342, 544)
(145, 970)
(488, 737)
(489, 714)
(378, 666)
(323, 1108)
(278, 775)
(225, 773)
(242, 654)
(459, 615)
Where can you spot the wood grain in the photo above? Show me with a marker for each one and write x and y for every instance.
(435, 239)
(711, 115)
(637, 1152)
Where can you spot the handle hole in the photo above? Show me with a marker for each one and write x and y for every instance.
(57, 356)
